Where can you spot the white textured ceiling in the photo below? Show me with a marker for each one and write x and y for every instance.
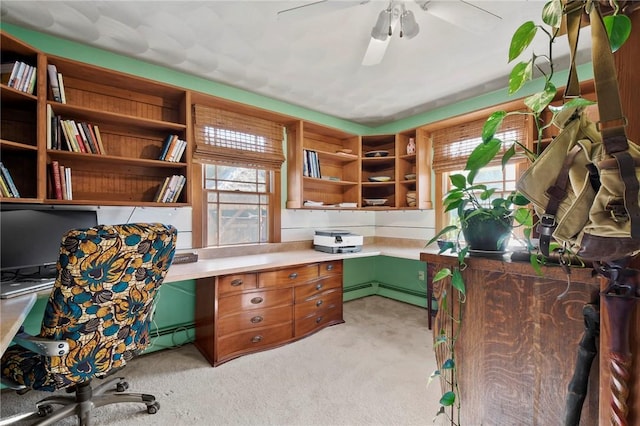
(313, 61)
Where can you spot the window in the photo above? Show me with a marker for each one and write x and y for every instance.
(237, 205)
(241, 158)
(453, 145)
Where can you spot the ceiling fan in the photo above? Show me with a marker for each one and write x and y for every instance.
(461, 13)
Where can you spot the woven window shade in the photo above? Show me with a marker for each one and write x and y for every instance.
(453, 145)
(224, 137)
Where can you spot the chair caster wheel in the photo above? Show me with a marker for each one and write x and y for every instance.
(45, 410)
(122, 386)
(153, 408)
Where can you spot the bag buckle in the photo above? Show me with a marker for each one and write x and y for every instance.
(547, 224)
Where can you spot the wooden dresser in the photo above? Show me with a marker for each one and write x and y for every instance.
(516, 350)
(242, 313)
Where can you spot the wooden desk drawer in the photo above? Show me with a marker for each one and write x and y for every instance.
(235, 283)
(259, 299)
(288, 276)
(254, 318)
(305, 291)
(252, 340)
(327, 300)
(331, 268)
(319, 320)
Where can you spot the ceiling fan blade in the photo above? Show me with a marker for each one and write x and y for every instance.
(375, 51)
(315, 8)
(461, 13)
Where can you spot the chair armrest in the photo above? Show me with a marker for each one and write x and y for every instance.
(42, 346)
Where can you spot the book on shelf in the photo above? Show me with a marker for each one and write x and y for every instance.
(96, 132)
(63, 182)
(170, 190)
(63, 96)
(54, 82)
(6, 176)
(172, 148)
(69, 186)
(311, 164)
(50, 127)
(4, 188)
(7, 72)
(57, 182)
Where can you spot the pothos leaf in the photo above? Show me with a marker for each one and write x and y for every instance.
(448, 364)
(508, 154)
(458, 180)
(522, 39)
(552, 13)
(448, 399)
(457, 281)
(442, 274)
(520, 74)
(492, 124)
(618, 29)
(539, 101)
(483, 154)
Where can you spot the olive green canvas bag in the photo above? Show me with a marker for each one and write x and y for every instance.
(584, 186)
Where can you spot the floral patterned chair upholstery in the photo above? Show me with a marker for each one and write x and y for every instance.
(97, 318)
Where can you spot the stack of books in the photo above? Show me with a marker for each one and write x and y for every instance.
(173, 148)
(77, 136)
(19, 75)
(170, 190)
(311, 164)
(61, 176)
(7, 186)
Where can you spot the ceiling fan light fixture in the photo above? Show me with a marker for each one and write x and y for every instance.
(409, 28)
(382, 28)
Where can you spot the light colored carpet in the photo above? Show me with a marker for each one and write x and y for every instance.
(372, 370)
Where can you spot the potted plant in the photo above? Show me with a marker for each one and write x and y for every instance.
(477, 205)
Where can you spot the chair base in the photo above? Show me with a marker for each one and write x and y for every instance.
(85, 399)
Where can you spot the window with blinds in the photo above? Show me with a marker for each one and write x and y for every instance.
(453, 145)
(240, 156)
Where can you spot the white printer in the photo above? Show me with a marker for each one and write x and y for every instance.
(333, 241)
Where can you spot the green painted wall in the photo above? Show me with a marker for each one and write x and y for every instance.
(77, 51)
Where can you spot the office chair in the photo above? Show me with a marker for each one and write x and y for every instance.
(97, 318)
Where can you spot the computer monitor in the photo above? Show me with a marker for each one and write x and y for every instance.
(31, 238)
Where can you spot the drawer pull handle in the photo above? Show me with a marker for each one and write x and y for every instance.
(257, 300)
(330, 267)
(318, 320)
(256, 339)
(236, 282)
(256, 319)
(319, 286)
(293, 275)
(319, 302)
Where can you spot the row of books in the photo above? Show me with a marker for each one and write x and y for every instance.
(170, 190)
(56, 84)
(73, 136)
(7, 186)
(311, 164)
(19, 75)
(61, 177)
(173, 148)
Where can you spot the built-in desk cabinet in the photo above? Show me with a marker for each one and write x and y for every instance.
(243, 313)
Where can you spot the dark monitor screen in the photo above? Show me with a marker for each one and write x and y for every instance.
(31, 238)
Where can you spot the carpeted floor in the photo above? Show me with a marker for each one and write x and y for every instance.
(372, 370)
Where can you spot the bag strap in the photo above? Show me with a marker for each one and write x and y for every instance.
(612, 120)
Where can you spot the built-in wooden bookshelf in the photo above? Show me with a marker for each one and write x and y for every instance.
(134, 116)
(364, 172)
(18, 133)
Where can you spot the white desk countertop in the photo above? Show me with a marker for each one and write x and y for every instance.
(237, 264)
(12, 314)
